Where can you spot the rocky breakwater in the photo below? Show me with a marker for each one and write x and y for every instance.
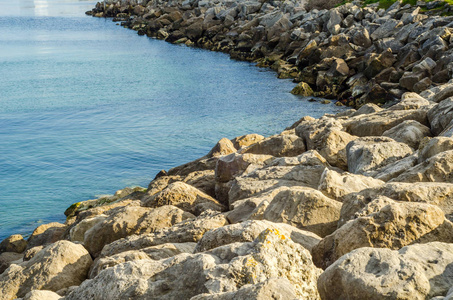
(354, 53)
(357, 205)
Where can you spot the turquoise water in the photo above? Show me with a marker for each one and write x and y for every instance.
(88, 107)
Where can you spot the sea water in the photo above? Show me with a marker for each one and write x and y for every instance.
(88, 107)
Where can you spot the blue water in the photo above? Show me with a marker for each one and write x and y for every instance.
(88, 107)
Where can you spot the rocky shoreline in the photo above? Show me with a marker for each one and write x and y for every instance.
(357, 205)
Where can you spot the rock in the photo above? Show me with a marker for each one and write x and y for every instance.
(57, 266)
(392, 170)
(385, 30)
(409, 132)
(438, 168)
(304, 208)
(278, 145)
(13, 243)
(30, 253)
(184, 232)
(441, 116)
(77, 233)
(337, 186)
(155, 252)
(410, 101)
(413, 272)
(366, 109)
(376, 124)
(435, 146)
(246, 140)
(185, 197)
(224, 269)
(395, 225)
(131, 220)
(333, 25)
(202, 180)
(223, 147)
(46, 234)
(362, 38)
(8, 258)
(302, 89)
(369, 153)
(42, 295)
(248, 231)
(230, 166)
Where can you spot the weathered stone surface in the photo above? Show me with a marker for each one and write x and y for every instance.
(223, 147)
(202, 180)
(46, 234)
(13, 243)
(248, 231)
(77, 233)
(410, 101)
(230, 166)
(440, 116)
(435, 146)
(57, 266)
(131, 220)
(246, 140)
(184, 232)
(438, 168)
(278, 145)
(185, 197)
(413, 272)
(370, 153)
(302, 89)
(408, 132)
(304, 208)
(337, 186)
(223, 269)
(8, 258)
(393, 226)
(392, 170)
(42, 295)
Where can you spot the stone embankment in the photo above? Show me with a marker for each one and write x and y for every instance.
(357, 205)
(352, 53)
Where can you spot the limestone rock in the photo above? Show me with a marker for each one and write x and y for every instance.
(77, 233)
(392, 170)
(410, 101)
(302, 89)
(235, 164)
(367, 109)
(223, 147)
(370, 153)
(13, 243)
(419, 271)
(46, 234)
(393, 226)
(435, 146)
(337, 186)
(246, 140)
(131, 220)
(438, 168)
(8, 258)
(408, 132)
(441, 115)
(223, 269)
(42, 295)
(184, 232)
(278, 145)
(304, 208)
(57, 266)
(248, 231)
(202, 180)
(185, 197)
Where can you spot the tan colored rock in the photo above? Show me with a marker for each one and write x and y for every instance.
(278, 145)
(246, 140)
(376, 124)
(309, 158)
(304, 208)
(131, 220)
(185, 197)
(419, 271)
(408, 132)
(8, 258)
(367, 109)
(57, 266)
(435, 146)
(248, 231)
(223, 269)
(441, 115)
(438, 168)
(32, 252)
(410, 101)
(77, 233)
(201, 164)
(230, 166)
(393, 226)
(42, 295)
(46, 234)
(337, 186)
(392, 170)
(13, 243)
(203, 180)
(223, 147)
(439, 194)
(160, 183)
(184, 232)
(370, 153)
(302, 89)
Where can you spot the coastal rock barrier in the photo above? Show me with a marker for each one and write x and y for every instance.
(356, 205)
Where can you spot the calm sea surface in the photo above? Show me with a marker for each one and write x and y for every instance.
(88, 107)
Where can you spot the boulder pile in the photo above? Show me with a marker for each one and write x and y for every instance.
(357, 205)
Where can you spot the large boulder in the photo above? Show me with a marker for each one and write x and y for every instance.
(337, 186)
(246, 140)
(185, 197)
(278, 145)
(393, 225)
(60, 265)
(419, 271)
(131, 220)
(42, 295)
(248, 231)
(435, 146)
(8, 258)
(13, 243)
(223, 269)
(441, 115)
(46, 234)
(370, 153)
(304, 208)
(409, 132)
(438, 168)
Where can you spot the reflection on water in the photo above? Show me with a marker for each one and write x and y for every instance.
(45, 8)
(41, 8)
